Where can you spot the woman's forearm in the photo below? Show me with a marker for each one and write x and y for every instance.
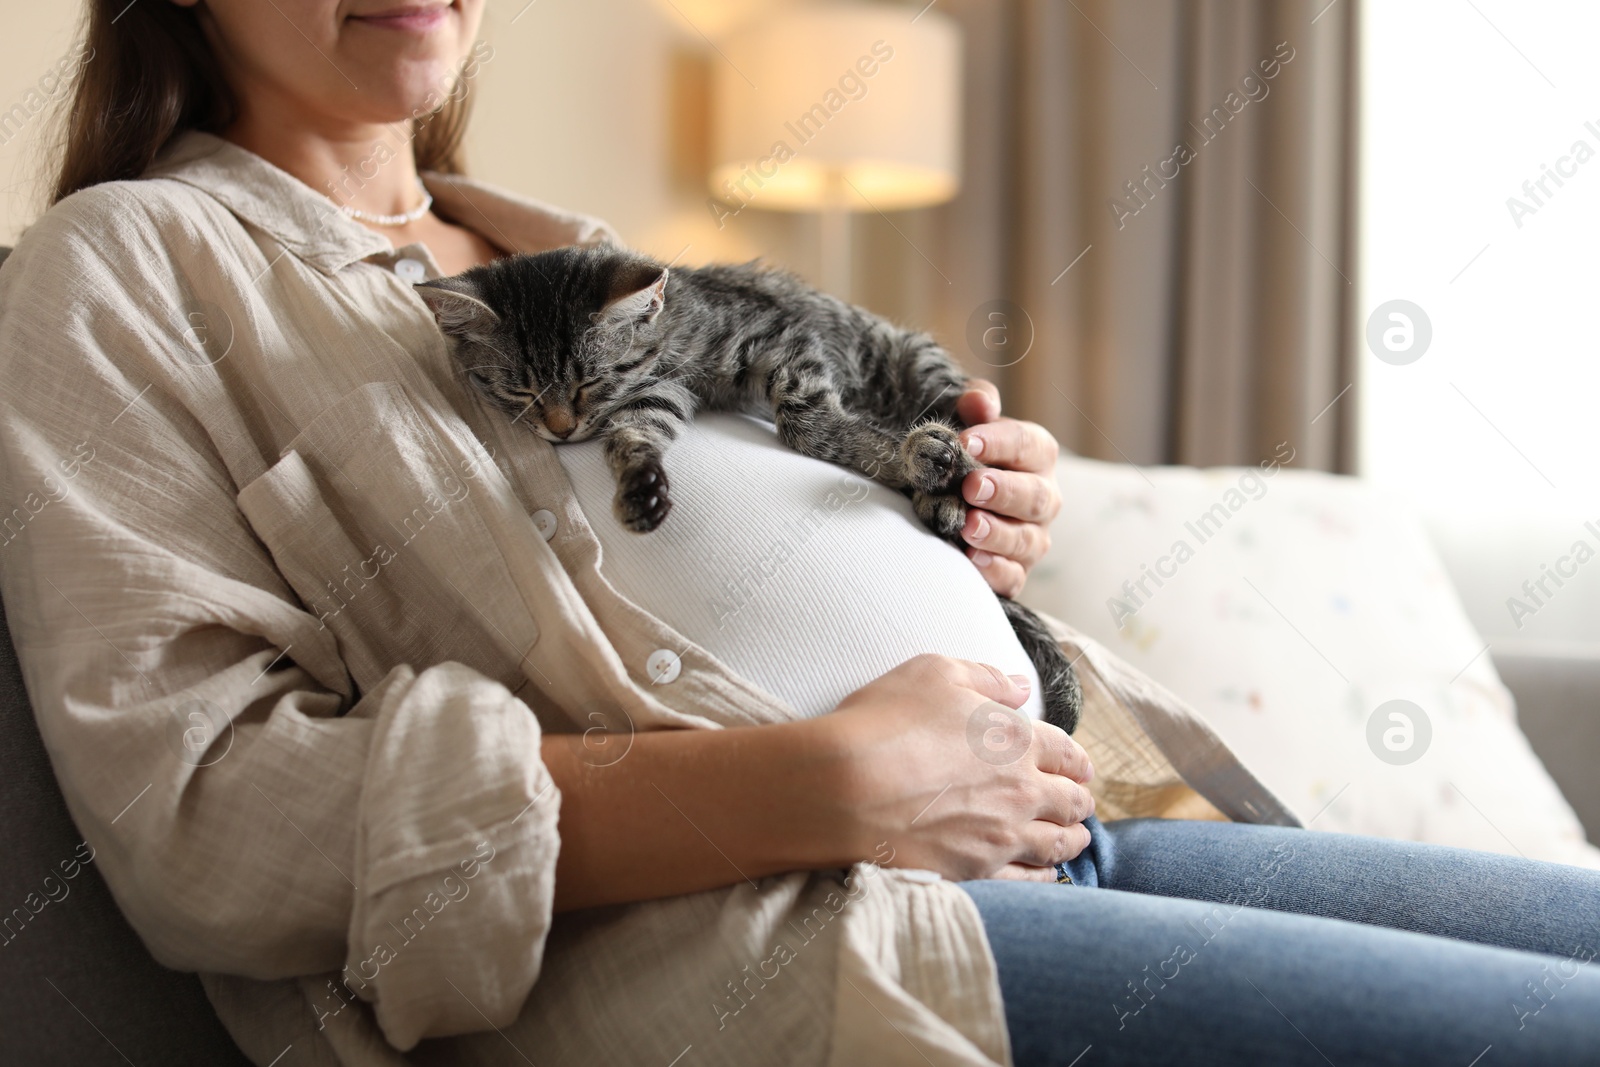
(895, 775)
(688, 810)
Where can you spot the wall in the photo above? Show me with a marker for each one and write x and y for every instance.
(37, 36)
(598, 106)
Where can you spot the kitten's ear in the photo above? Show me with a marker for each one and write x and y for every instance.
(456, 307)
(638, 293)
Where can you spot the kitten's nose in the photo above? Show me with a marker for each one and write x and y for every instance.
(560, 422)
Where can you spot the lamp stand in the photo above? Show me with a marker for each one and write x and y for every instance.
(836, 246)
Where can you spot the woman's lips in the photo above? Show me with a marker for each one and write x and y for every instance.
(407, 19)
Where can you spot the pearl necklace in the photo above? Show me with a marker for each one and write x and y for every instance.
(403, 219)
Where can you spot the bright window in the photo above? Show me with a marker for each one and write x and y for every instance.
(1481, 198)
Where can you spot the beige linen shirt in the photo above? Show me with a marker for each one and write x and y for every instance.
(294, 607)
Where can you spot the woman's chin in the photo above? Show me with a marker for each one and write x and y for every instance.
(402, 76)
(404, 87)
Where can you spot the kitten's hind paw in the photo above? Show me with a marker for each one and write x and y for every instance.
(943, 513)
(934, 458)
(642, 502)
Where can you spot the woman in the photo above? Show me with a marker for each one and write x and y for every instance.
(285, 593)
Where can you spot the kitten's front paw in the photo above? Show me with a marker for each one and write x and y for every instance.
(943, 513)
(934, 458)
(642, 501)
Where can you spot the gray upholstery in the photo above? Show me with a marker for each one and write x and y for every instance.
(1558, 707)
(77, 954)
(76, 984)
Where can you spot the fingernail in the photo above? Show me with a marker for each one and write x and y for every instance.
(982, 559)
(1022, 682)
(980, 527)
(985, 489)
(974, 446)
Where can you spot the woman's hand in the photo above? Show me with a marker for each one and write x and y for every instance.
(938, 766)
(1014, 497)
(928, 766)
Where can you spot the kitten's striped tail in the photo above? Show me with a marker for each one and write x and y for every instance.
(1061, 693)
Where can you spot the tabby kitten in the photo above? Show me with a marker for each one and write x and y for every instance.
(583, 342)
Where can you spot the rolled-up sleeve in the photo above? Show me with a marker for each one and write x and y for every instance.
(251, 812)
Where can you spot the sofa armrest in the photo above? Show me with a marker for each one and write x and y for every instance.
(1558, 705)
(76, 983)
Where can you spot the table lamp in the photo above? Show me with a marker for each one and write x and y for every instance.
(837, 108)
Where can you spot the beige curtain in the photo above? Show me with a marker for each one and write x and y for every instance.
(1188, 305)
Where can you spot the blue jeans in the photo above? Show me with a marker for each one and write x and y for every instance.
(1202, 943)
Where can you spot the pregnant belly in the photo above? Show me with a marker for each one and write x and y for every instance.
(802, 576)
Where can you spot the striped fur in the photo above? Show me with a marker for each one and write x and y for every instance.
(585, 342)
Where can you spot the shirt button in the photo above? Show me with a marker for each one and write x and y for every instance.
(663, 666)
(411, 270)
(545, 523)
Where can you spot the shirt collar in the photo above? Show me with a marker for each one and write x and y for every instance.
(309, 225)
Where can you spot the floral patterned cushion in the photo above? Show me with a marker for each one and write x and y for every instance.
(1307, 617)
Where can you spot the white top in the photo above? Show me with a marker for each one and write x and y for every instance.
(800, 575)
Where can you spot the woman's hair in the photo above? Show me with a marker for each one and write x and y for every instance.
(148, 75)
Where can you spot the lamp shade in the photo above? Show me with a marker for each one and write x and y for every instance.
(831, 105)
